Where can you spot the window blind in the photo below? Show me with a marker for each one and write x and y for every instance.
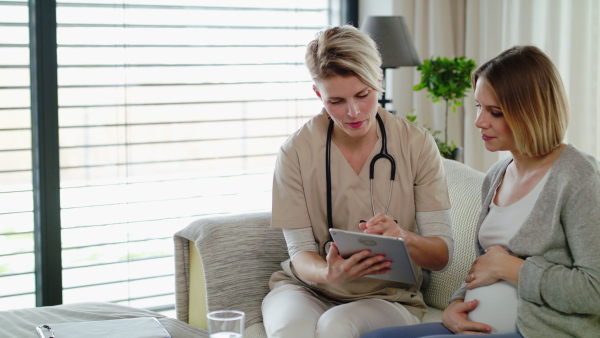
(17, 282)
(168, 111)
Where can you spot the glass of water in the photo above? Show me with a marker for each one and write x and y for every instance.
(226, 324)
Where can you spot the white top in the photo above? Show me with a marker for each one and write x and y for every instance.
(502, 223)
(498, 302)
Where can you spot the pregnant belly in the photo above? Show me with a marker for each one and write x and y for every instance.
(497, 306)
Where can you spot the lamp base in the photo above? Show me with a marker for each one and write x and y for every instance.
(383, 101)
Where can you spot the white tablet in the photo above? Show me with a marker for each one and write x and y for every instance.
(394, 250)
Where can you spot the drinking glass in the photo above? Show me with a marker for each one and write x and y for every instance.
(226, 324)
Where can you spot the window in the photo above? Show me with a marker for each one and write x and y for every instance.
(17, 282)
(168, 111)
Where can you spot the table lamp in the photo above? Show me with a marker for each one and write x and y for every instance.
(394, 43)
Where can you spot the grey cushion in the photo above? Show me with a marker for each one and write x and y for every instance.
(239, 253)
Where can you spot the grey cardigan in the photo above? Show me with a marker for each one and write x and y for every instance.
(559, 283)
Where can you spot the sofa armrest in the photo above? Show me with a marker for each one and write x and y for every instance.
(238, 254)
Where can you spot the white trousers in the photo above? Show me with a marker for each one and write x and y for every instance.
(292, 311)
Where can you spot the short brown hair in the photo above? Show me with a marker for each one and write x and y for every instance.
(531, 95)
(344, 51)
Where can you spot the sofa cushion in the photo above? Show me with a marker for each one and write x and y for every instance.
(464, 187)
(239, 253)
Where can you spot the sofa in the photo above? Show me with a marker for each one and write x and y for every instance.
(225, 262)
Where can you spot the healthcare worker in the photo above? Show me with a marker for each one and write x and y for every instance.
(318, 293)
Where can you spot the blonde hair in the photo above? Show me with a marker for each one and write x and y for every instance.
(531, 95)
(344, 51)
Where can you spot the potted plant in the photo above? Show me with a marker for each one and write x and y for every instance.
(446, 150)
(448, 80)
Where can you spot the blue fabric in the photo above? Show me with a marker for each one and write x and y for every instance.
(409, 331)
(429, 330)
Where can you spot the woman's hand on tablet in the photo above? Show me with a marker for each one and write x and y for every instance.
(427, 252)
(382, 224)
(341, 270)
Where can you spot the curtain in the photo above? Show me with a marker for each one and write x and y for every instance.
(568, 31)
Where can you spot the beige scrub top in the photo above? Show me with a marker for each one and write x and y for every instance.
(300, 200)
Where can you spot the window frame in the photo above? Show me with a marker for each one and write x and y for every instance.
(45, 152)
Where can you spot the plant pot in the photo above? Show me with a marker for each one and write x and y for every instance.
(457, 154)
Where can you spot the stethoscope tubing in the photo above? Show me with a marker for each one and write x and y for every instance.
(382, 154)
(328, 175)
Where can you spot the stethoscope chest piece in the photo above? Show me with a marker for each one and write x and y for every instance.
(327, 247)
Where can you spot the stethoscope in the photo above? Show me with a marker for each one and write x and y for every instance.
(382, 154)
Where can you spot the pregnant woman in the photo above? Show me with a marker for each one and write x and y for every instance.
(537, 272)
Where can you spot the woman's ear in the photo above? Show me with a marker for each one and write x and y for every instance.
(316, 90)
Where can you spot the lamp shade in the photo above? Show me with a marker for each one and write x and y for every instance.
(393, 40)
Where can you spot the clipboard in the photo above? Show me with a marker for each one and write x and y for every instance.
(394, 249)
(140, 327)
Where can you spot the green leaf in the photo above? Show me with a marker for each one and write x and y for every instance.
(412, 118)
(443, 77)
(446, 79)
